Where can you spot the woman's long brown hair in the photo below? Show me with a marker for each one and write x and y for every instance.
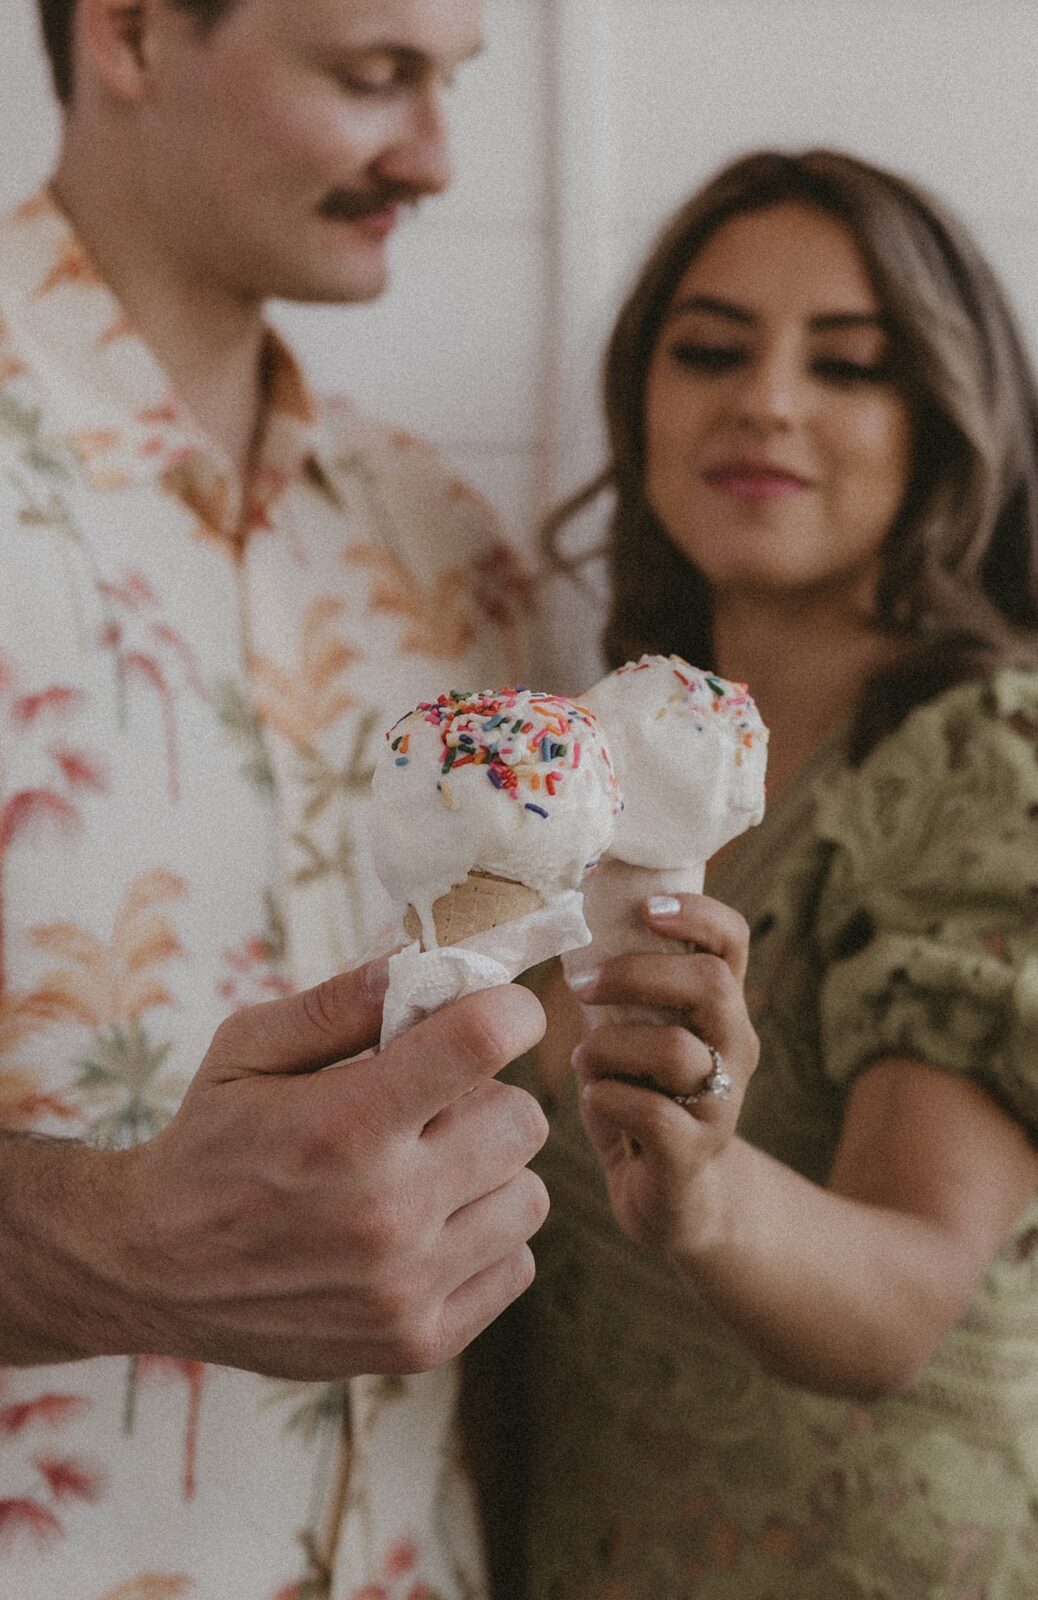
(959, 569)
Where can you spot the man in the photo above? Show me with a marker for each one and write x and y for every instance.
(215, 593)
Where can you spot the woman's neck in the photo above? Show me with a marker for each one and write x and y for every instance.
(806, 665)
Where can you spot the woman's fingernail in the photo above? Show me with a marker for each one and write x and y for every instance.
(663, 905)
(584, 982)
(577, 1057)
(376, 978)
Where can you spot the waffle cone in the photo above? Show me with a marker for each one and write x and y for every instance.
(482, 902)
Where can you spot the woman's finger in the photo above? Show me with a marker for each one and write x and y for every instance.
(617, 1113)
(707, 924)
(702, 987)
(649, 1149)
(671, 1058)
(671, 1062)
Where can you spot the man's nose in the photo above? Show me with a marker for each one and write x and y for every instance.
(421, 158)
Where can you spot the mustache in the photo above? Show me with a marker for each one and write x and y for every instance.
(353, 205)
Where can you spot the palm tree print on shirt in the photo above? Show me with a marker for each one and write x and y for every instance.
(46, 802)
(109, 989)
(303, 704)
(152, 1586)
(438, 615)
(149, 652)
(24, 1103)
(50, 1482)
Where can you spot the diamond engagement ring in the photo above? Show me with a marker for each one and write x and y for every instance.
(718, 1082)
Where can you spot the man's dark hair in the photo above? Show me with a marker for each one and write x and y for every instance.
(56, 21)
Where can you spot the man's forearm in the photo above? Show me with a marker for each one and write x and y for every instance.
(58, 1203)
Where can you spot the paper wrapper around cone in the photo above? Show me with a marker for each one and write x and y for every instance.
(489, 930)
(613, 897)
(482, 902)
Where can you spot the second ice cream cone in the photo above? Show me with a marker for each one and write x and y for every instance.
(613, 896)
(483, 901)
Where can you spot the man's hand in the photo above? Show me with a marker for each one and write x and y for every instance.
(304, 1215)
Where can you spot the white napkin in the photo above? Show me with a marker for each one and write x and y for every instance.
(421, 981)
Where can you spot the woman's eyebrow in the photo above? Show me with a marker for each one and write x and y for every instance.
(850, 319)
(713, 307)
(824, 322)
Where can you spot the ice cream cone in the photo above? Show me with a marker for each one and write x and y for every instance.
(483, 901)
(613, 896)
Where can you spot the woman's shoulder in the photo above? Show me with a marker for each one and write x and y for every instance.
(926, 922)
(1002, 707)
(974, 747)
(942, 815)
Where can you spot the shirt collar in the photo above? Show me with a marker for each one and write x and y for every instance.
(109, 401)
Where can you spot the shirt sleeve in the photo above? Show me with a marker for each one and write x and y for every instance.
(450, 543)
(928, 917)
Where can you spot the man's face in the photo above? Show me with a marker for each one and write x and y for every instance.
(276, 150)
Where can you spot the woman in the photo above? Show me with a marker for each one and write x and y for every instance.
(786, 1343)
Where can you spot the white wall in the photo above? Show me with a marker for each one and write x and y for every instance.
(583, 124)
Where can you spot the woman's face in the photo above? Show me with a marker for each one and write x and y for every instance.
(778, 447)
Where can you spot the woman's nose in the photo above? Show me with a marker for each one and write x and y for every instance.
(769, 394)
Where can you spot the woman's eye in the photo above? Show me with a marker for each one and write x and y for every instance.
(708, 357)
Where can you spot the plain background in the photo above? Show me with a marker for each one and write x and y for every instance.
(585, 122)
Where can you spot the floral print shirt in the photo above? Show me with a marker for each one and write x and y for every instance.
(191, 688)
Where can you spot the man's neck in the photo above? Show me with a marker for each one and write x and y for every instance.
(207, 341)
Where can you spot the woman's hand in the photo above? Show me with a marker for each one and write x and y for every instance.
(660, 1103)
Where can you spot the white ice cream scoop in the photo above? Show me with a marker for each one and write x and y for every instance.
(511, 783)
(488, 809)
(690, 752)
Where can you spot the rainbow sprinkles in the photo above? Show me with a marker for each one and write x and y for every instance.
(527, 743)
(505, 783)
(701, 696)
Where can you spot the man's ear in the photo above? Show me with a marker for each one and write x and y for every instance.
(115, 35)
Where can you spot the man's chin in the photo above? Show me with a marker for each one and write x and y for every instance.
(331, 287)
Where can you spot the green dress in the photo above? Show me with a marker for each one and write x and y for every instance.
(894, 911)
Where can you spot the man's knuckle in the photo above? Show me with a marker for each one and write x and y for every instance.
(395, 1300)
(318, 1007)
(230, 1041)
(482, 1038)
(318, 1147)
(518, 1275)
(379, 1229)
(423, 1345)
(528, 1121)
(537, 1203)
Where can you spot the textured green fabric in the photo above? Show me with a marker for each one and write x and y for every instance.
(894, 910)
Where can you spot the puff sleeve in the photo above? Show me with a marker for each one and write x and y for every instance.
(927, 920)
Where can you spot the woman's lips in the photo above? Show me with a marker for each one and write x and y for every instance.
(746, 482)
